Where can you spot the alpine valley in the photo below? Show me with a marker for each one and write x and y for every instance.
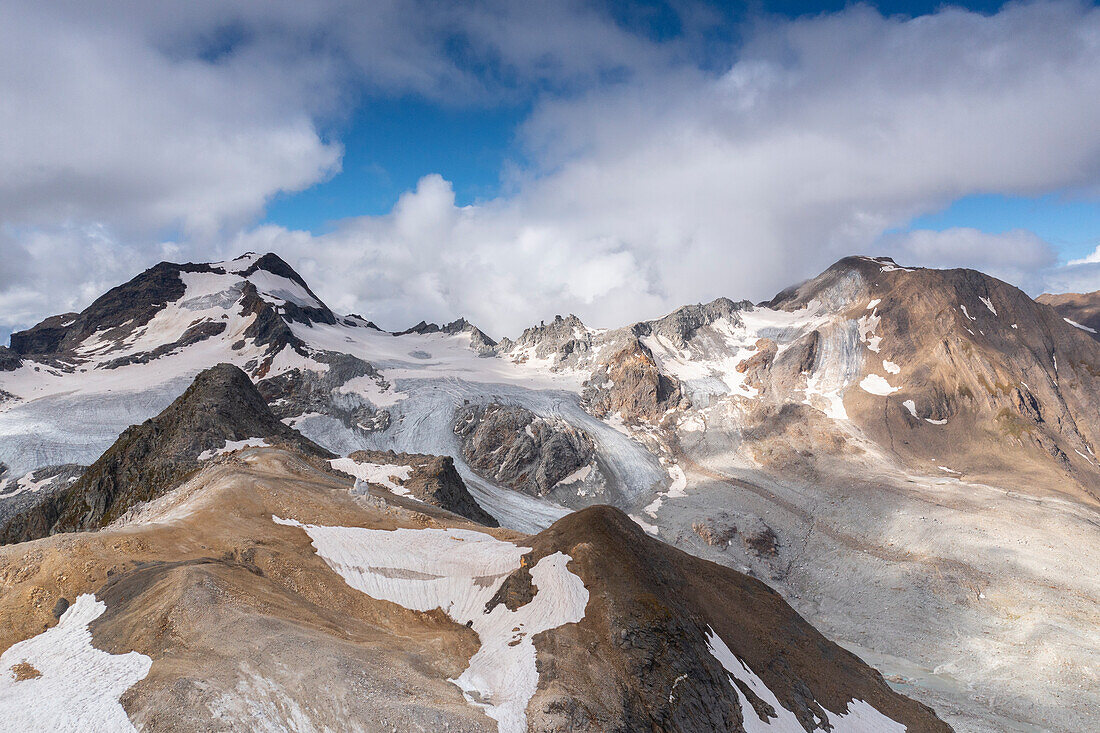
(867, 505)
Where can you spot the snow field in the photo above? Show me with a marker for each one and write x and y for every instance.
(78, 686)
(459, 571)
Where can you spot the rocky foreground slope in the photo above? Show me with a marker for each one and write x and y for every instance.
(907, 455)
(222, 603)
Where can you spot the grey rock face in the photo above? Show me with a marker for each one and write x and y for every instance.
(562, 336)
(479, 342)
(434, 480)
(514, 447)
(18, 504)
(633, 386)
(298, 392)
(679, 325)
(9, 360)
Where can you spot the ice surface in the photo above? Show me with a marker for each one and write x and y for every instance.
(459, 571)
(78, 686)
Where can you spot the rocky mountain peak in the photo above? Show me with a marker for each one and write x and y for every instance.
(172, 306)
(562, 337)
(221, 408)
(1080, 310)
(679, 326)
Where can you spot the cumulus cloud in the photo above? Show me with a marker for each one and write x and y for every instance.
(668, 184)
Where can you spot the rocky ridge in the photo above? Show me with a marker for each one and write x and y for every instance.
(221, 407)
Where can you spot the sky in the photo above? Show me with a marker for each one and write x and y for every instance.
(509, 161)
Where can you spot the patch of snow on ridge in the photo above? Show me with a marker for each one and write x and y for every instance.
(873, 303)
(77, 687)
(877, 385)
(891, 367)
(858, 717)
(867, 326)
(1075, 324)
(988, 304)
(967, 314)
(648, 528)
(912, 407)
(459, 571)
(833, 402)
(708, 365)
(382, 474)
(231, 446)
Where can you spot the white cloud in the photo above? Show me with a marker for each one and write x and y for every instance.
(1019, 257)
(1090, 258)
(675, 185)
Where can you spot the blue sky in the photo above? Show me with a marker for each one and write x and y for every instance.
(390, 143)
(508, 161)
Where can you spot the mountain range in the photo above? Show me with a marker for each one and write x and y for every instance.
(214, 490)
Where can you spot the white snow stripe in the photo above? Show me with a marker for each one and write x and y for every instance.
(459, 571)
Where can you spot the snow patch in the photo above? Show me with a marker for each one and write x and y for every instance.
(912, 407)
(988, 304)
(676, 490)
(867, 326)
(231, 446)
(383, 474)
(891, 367)
(965, 313)
(1075, 324)
(371, 388)
(459, 571)
(877, 385)
(833, 402)
(577, 476)
(649, 528)
(78, 687)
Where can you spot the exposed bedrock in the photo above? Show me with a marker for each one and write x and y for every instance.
(512, 446)
(304, 391)
(434, 480)
(633, 386)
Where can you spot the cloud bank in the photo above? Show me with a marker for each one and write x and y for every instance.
(650, 182)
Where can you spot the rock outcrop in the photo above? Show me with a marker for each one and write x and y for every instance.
(9, 360)
(632, 385)
(512, 446)
(433, 480)
(304, 391)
